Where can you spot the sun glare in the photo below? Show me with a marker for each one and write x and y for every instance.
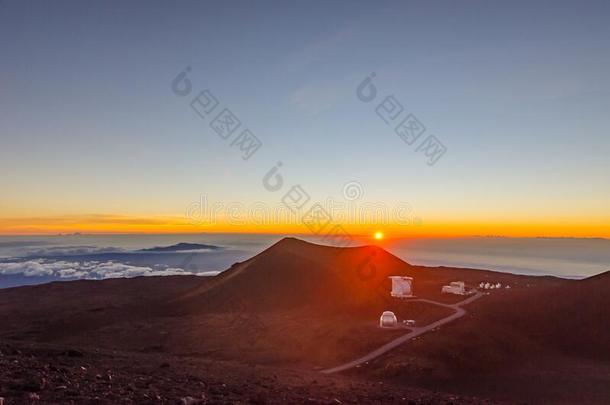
(378, 235)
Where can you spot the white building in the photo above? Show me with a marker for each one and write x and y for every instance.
(388, 320)
(455, 287)
(401, 286)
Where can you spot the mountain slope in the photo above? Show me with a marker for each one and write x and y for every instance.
(573, 317)
(293, 273)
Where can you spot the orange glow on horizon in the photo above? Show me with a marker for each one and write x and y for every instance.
(125, 224)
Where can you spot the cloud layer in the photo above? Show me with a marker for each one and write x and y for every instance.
(70, 251)
(86, 270)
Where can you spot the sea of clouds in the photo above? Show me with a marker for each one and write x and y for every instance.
(93, 270)
(68, 251)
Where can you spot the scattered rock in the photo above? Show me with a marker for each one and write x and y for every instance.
(193, 401)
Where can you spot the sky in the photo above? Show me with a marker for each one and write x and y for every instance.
(96, 137)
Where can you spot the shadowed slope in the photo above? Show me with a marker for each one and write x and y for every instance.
(574, 317)
(297, 274)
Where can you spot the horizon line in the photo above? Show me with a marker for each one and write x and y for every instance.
(288, 234)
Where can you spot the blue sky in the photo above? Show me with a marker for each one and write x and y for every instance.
(518, 92)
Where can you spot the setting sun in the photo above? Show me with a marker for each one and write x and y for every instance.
(262, 221)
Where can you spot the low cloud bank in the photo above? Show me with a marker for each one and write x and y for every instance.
(86, 270)
(70, 251)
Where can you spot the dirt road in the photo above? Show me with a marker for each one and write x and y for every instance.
(416, 331)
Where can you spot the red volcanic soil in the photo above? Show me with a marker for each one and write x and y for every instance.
(304, 307)
(34, 374)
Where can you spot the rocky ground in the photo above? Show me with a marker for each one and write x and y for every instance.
(57, 375)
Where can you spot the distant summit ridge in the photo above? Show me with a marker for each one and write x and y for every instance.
(180, 247)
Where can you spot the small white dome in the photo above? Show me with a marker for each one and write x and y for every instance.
(387, 319)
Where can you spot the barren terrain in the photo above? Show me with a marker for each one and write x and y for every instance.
(267, 326)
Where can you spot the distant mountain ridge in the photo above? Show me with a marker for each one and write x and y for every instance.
(181, 247)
